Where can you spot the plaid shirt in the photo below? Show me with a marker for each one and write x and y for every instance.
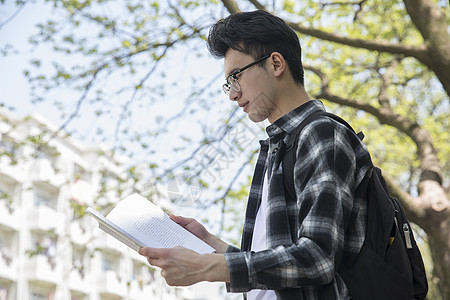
(306, 239)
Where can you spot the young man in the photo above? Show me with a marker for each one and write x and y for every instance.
(289, 250)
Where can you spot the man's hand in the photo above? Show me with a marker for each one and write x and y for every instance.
(200, 231)
(183, 267)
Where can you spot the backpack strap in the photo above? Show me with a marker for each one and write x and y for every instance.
(291, 153)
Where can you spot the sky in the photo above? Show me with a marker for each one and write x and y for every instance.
(14, 89)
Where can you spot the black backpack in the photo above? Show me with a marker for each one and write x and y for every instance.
(389, 265)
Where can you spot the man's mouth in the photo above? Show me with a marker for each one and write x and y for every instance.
(244, 106)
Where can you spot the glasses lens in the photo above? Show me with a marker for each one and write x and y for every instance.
(234, 83)
(226, 88)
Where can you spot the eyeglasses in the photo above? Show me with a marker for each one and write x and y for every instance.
(232, 80)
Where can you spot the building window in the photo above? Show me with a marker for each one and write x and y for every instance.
(50, 154)
(41, 292)
(38, 296)
(8, 190)
(111, 262)
(7, 147)
(78, 260)
(42, 295)
(4, 289)
(108, 264)
(45, 245)
(6, 253)
(137, 274)
(142, 274)
(45, 195)
(80, 173)
(77, 296)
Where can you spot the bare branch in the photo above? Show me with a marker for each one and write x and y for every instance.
(133, 96)
(226, 127)
(386, 77)
(231, 6)
(21, 6)
(343, 3)
(257, 5)
(223, 198)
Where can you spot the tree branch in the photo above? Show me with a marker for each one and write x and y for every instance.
(414, 208)
(418, 52)
(430, 166)
(230, 186)
(131, 100)
(257, 5)
(21, 5)
(231, 6)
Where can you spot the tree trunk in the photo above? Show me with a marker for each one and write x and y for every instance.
(437, 228)
(431, 21)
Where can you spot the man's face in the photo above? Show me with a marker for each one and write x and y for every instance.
(257, 90)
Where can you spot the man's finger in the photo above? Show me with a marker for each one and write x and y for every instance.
(180, 220)
(154, 262)
(153, 253)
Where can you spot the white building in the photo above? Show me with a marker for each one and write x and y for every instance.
(48, 248)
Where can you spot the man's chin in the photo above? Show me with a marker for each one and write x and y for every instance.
(256, 118)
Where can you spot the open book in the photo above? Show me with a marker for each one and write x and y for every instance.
(137, 222)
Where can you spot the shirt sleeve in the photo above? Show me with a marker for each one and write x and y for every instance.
(324, 176)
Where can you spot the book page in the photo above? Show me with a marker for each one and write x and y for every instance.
(149, 225)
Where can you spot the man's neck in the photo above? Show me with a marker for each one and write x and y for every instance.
(289, 98)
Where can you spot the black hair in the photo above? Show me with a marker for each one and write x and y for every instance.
(257, 33)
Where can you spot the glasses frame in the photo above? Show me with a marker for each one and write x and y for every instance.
(232, 80)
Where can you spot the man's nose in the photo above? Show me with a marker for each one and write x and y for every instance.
(233, 95)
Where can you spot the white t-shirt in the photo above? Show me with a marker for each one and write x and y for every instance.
(259, 243)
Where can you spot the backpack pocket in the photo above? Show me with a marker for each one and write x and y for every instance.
(374, 279)
(397, 256)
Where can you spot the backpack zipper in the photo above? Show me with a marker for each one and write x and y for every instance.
(407, 235)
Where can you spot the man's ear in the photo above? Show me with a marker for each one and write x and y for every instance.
(278, 63)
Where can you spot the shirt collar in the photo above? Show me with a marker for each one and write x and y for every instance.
(290, 121)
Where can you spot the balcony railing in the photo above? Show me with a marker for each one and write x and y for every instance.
(43, 268)
(110, 282)
(46, 219)
(8, 265)
(9, 215)
(106, 241)
(78, 281)
(80, 234)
